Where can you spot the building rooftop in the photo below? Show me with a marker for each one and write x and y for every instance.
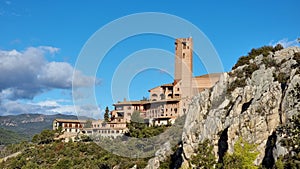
(164, 85)
(145, 102)
(212, 75)
(140, 102)
(70, 120)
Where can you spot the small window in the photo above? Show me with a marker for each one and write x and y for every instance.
(177, 89)
(183, 55)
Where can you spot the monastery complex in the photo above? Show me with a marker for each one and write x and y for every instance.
(166, 102)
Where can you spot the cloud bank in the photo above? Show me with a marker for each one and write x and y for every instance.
(26, 74)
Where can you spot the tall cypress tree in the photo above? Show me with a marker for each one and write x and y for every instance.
(106, 114)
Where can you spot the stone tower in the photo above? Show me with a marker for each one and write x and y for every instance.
(184, 66)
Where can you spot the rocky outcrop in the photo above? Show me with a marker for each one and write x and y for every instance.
(252, 110)
(250, 102)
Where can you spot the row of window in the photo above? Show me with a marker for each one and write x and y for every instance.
(98, 125)
(71, 125)
(109, 131)
(70, 130)
(175, 110)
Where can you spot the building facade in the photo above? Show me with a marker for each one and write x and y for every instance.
(169, 101)
(166, 102)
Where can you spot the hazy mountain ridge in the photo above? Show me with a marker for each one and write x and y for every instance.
(27, 125)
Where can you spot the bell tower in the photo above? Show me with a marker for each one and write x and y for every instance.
(184, 65)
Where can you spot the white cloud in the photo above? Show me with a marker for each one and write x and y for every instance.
(24, 74)
(50, 49)
(285, 42)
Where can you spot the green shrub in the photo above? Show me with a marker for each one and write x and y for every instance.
(269, 62)
(282, 78)
(248, 70)
(245, 60)
(278, 47)
(297, 57)
(205, 157)
(243, 156)
(265, 51)
(237, 83)
(279, 163)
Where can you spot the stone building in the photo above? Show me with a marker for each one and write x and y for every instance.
(69, 125)
(168, 101)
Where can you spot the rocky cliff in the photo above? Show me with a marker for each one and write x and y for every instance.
(250, 102)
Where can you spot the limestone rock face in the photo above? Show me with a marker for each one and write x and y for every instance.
(160, 155)
(252, 111)
(250, 102)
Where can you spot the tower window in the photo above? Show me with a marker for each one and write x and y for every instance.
(183, 55)
(184, 46)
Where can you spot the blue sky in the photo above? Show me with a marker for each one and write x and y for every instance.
(41, 40)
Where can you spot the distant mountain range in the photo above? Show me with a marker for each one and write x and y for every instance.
(16, 128)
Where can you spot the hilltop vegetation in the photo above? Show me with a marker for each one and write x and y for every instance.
(45, 152)
(69, 155)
